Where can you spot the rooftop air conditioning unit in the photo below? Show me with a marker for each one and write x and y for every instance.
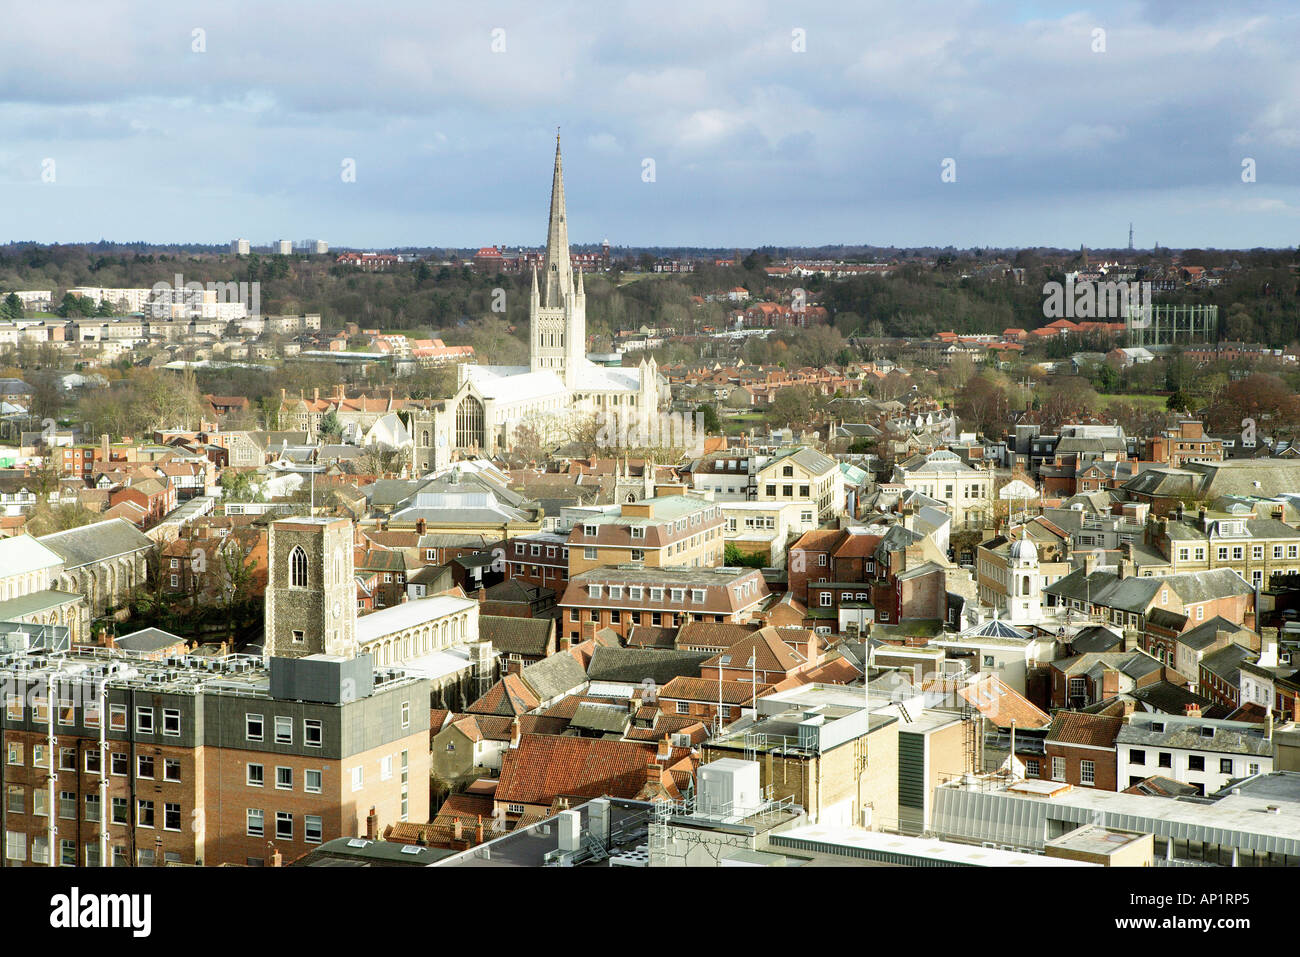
(681, 740)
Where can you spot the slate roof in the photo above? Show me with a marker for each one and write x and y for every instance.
(634, 665)
(1189, 735)
(95, 542)
(1205, 634)
(1226, 663)
(1096, 638)
(148, 639)
(610, 718)
(1169, 698)
(554, 676)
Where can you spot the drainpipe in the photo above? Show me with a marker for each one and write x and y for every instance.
(51, 692)
(105, 857)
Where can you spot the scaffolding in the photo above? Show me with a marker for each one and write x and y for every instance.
(1166, 324)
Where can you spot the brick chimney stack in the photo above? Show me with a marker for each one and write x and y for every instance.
(514, 733)
(665, 749)
(277, 859)
(1192, 710)
(653, 773)
(372, 825)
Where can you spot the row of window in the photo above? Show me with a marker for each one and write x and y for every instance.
(1195, 762)
(312, 732)
(1237, 552)
(255, 777)
(16, 710)
(678, 595)
(16, 850)
(119, 762)
(255, 825)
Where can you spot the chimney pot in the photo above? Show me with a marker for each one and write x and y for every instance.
(372, 824)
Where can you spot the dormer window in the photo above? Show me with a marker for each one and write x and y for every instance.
(638, 531)
(589, 530)
(594, 590)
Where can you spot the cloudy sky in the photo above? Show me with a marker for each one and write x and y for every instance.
(764, 122)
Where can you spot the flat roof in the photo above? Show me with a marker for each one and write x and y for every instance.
(832, 839)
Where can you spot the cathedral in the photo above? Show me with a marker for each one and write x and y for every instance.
(559, 382)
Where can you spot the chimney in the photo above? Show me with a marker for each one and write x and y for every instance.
(478, 830)
(372, 825)
(514, 733)
(1109, 683)
(665, 750)
(457, 829)
(1089, 563)
(1268, 725)
(315, 393)
(481, 595)
(1128, 707)
(104, 446)
(1267, 648)
(420, 526)
(653, 773)
(1192, 710)
(277, 859)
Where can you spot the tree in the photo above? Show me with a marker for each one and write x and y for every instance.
(382, 460)
(12, 307)
(983, 404)
(1261, 399)
(790, 405)
(330, 429)
(1069, 400)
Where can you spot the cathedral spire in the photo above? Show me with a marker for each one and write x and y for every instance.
(559, 271)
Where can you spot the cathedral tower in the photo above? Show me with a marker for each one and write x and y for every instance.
(557, 309)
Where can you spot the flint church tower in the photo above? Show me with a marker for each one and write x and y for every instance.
(557, 309)
(311, 598)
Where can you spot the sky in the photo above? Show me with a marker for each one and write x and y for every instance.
(736, 123)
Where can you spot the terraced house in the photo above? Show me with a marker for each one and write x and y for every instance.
(623, 596)
(1256, 548)
(966, 492)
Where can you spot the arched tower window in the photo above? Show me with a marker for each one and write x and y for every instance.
(1025, 586)
(297, 568)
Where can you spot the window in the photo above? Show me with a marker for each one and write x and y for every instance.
(358, 779)
(40, 802)
(67, 713)
(144, 766)
(697, 596)
(1087, 772)
(15, 799)
(406, 714)
(144, 813)
(638, 554)
(1225, 765)
(255, 822)
(119, 763)
(284, 779)
(15, 751)
(1136, 756)
(297, 568)
(171, 817)
(117, 717)
(67, 759)
(283, 729)
(589, 554)
(171, 721)
(120, 811)
(15, 846)
(386, 768)
(256, 776)
(1165, 760)
(172, 769)
(312, 782)
(1032, 768)
(311, 828)
(683, 707)
(253, 727)
(1058, 769)
(93, 808)
(283, 826)
(14, 707)
(1196, 762)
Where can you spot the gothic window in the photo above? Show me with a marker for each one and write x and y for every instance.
(297, 568)
(470, 424)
